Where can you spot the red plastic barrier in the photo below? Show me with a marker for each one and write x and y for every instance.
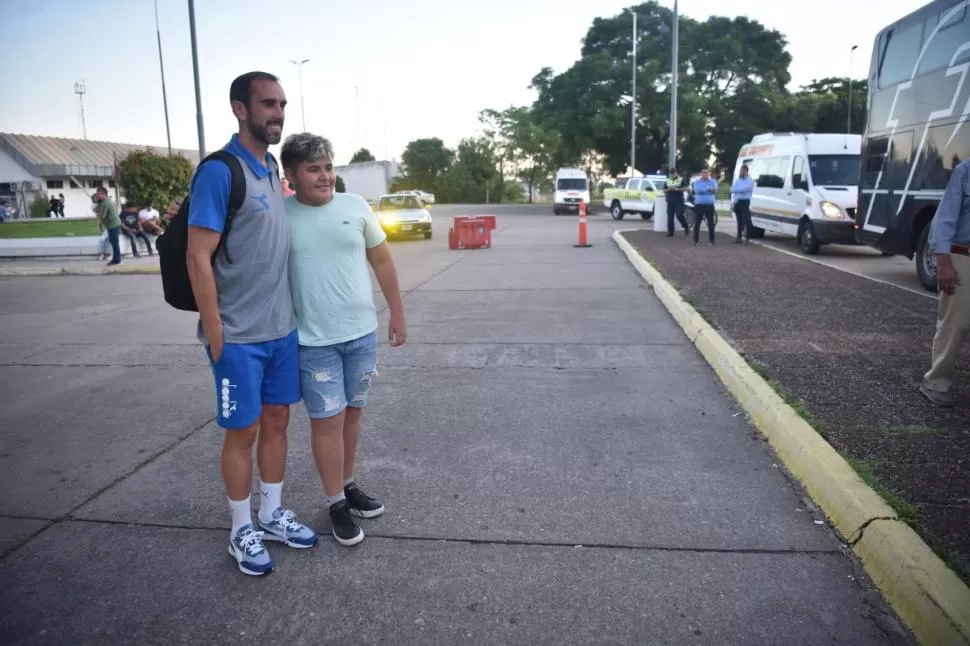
(470, 233)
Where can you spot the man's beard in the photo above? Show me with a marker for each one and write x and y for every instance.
(261, 132)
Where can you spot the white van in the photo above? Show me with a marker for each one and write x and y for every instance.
(806, 186)
(572, 185)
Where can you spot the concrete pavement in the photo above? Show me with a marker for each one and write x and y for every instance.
(558, 463)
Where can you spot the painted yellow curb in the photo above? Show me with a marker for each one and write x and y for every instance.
(929, 597)
(79, 271)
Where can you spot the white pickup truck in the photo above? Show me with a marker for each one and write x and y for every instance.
(637, 196)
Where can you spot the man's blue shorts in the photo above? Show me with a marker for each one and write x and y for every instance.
(249, 375)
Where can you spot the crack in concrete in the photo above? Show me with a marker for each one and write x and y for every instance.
(859, 533)
(511, 542)
(69, 515)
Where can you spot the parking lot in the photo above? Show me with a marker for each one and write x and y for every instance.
(861, 260)
(547, 437)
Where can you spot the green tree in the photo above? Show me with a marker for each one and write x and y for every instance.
(425, 161)
(148, 178)
(470, 179)
(339, 185)
(830, 100)
(532, 149)
(362, 155)
(720, 57)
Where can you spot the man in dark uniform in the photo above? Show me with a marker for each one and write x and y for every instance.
(675, 189)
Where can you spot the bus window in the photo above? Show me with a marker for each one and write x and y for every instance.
(940, 156)
(899, 53)
(943, 44)
(874, 159)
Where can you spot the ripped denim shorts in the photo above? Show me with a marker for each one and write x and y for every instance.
(333, 377)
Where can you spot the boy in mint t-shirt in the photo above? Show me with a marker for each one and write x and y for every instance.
(335, 238)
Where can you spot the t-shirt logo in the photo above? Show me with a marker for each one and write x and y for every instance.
(264, 201)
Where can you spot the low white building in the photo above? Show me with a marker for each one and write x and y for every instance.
(34, 167)
(371, 179)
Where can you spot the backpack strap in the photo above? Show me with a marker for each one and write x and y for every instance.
(237, 194)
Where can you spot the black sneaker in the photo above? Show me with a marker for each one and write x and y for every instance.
(361, 504)
(345, 529)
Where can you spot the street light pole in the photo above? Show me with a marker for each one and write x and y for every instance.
(299, 68)
(848, 127)
(633, 103)
(161, 65)
(675, 55)
(198, 89)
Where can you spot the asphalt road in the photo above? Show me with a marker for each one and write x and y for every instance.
(559, 466)
(860, 260)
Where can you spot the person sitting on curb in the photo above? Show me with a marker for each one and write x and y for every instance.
(950, 240)
(150, 223)
(335, 241)
(131, 228)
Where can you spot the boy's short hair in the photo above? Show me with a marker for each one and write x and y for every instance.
(304, 147)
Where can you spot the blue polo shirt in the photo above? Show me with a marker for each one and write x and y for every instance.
(705, 191)
(253, 290)
(209, 205)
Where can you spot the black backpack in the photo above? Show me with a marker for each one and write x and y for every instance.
(174, 243)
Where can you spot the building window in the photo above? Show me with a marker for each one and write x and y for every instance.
(74, 184)
(95, 183)
(111, 183)
(55, 183)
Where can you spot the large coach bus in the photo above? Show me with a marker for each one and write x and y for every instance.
(916, 129)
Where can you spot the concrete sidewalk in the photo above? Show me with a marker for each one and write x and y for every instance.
(559, 466)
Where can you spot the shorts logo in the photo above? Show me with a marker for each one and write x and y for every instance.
(228, 405)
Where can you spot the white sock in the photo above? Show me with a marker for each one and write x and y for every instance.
(270, 500)
(242, 514)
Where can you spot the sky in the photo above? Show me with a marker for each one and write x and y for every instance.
(380, 72)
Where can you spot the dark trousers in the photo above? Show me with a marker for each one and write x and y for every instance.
(675, 209)
(134, 245)
(742, 213)
(704, 211)
(114, 237)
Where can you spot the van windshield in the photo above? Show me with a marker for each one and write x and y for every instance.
(571, 184)
(834, 170)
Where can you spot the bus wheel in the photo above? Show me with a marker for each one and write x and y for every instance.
(757, 233)
(807, 238)
(926, 261)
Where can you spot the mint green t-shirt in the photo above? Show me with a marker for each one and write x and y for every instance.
(329, 274)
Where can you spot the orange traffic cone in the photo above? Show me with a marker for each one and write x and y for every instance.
(582, 225)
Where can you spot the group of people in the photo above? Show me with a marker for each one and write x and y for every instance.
(130, 222)
(286, 313)
(704, 190)
(949, 241)
(55, 207)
